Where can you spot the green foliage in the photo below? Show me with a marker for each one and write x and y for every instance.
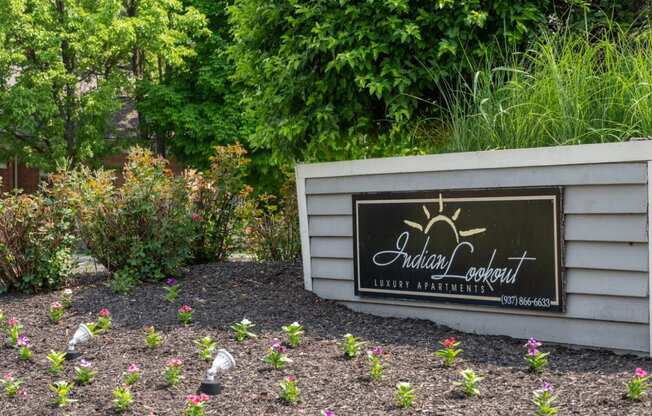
(36, 241)
(215, 197)
(139, 231)
(405, 395)
(351, 346)
(567, 89)
(469, 382)
(273, 225)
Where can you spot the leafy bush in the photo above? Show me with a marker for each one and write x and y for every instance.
(140, 230)
(36, 242)
(215, 200)
(568, 89)
(273, 225)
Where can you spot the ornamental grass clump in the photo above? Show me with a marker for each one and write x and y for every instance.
(544, 401)
(351, 346)
(450, 351)
(171, 290)
(56, 359)
(122, 398)
(184, 313)
(196, 405)
(536, 359)
(289, 390)
(276, 356)
(24, 348)
(242, 330)
(469, 382)
(84, 374)
(132, 375)
(62, 390)
(638, 385)
(375, 363)
(294, 333)
(405, 395)
(152, 338)
(205, 347)
(11, 385)
(172, 372)
(56, 311)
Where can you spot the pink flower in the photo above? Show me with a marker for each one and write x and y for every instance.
(197, 399)
(196, 217)
(171, 281)
(449, 342)
(277, 346)
(327, 412)
(56, 305)
(133, 368)
(174, 362)
(22, 341)
(547, 387)
(104, 313)
(377, 351)
(85, 363)
(12, 322)
(185, 309)
(8, 377)
(640, 373)
(290, 379)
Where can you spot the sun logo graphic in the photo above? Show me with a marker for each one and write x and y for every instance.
(441, 217)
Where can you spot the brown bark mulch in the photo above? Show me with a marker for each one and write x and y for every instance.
(271, 295)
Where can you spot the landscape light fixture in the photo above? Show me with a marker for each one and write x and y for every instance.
(222, 363)
(82, 334)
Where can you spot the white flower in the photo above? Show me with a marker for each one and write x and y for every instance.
(295, 324)
(245, 321)
(67, 292)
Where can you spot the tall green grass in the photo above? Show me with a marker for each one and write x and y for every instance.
(568, 88)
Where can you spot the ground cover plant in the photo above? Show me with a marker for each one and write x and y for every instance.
(271, 295)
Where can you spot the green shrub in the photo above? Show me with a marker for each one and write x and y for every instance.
(141, 230)
(567, 89)
(215, 200)
(36, 242)
(273, 226)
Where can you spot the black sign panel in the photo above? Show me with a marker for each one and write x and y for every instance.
(492, 247)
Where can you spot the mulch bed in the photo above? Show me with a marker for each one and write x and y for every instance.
(271, 295)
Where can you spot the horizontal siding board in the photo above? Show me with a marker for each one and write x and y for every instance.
(331, 226)
(578, 281)
(606, 256)
(598, 199)
(618, 199)
(578, 227)
(608, 174)
(614, 335)
(332, 268)
(600, 308)
(336, 247)
(600, 227)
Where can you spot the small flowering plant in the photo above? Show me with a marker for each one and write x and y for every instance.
(196, 405)
(544, 401)
(405, 395)
(152, 338)
(56, 359)
(289, 390)
(242, 330)
(84, 374)
(637, 386)
(294, 332)
(62, 390)
(276, 356)
(103, 323)
(536, 359)
(206, 346)
(450, 351)
(326, 412)
(14, 329)
(122, 398)
(56, 311)
(184, 314)
(132, 375)
(66, 298)
(172, 372)
(375, 363)
(171, 290)
(469, 382)
(24, 351)
(351, 346)
(11, 385)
